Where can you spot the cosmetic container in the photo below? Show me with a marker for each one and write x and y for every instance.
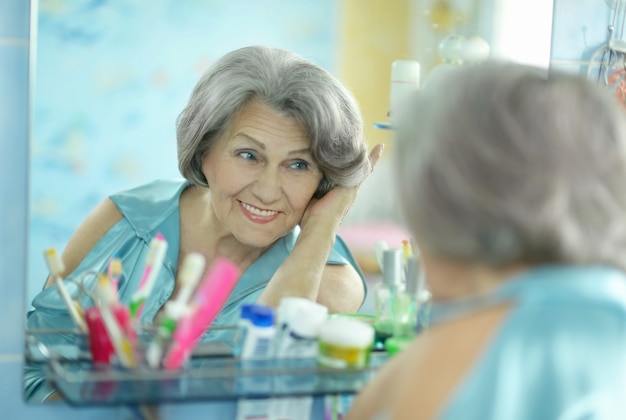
(301, 319)
(406, 307)
(242, 327)
(256, 351)
(284, 314)
(423, 310)
(259, 334)
(405, 79)
(406, 303)
(392, 284)
(301, 329)
(345, 343)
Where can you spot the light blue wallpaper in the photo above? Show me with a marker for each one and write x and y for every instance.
(111, 77)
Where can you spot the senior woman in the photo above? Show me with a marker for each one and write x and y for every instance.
(513, 185)
(272, 154)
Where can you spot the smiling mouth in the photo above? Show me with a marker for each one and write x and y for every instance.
(257, 211)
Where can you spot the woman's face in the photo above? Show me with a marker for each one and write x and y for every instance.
(261, 175)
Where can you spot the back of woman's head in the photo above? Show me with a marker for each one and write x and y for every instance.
(290, 85)
(500, 163)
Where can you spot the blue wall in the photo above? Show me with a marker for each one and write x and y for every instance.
(14, 135)
(14, 141)
(110, 79)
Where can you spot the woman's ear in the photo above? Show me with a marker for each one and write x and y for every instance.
(323, 188)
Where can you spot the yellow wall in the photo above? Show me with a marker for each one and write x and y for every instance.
(374, 33)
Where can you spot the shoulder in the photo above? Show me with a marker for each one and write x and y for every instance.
(146, 206)
(568, 329)
(158, 191)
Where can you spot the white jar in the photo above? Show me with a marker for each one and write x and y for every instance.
(345, 343)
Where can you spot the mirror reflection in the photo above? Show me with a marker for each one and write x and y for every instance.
(112, 78)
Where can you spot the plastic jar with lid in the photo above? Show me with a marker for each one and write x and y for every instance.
(299, 337)
(345, 343)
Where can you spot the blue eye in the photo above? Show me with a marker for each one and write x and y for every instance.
(300, 165)
(246, 155)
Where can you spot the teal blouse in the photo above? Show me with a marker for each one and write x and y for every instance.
(559, 354)
(148, 210)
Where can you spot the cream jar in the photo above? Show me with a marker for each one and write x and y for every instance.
(345, 343)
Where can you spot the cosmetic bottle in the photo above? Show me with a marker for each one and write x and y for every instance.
(259, 333)
(392, 284)
(284, 314)
(298, 340)
(405, 79)
(406, 303)
(242, 327)
(300, 329)
(405, 309)
(423, 310)
(255, 355)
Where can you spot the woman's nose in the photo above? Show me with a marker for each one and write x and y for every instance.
(268, 186)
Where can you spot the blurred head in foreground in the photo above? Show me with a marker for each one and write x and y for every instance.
(513, 183)
(503, 165)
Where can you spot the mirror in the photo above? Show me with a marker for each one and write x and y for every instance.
(111, 77)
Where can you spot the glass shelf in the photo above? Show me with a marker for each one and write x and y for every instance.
(212, 374)
(71, 345)
(206, 379)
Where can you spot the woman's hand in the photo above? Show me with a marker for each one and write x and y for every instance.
(337, 287)
(334, 206)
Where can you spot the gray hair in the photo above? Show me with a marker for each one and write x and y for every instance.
(500, 163)
(289, 84)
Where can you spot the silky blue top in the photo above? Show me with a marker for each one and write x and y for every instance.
(559, 354)
(150, 209)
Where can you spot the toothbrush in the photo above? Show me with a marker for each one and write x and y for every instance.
(190, 274)
(114, 271)
(406, 247)
(156, 255)
(116, 322)
(56, 267)
(408, 254)
(206, 304)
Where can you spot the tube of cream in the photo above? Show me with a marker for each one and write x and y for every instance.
(206, 304)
